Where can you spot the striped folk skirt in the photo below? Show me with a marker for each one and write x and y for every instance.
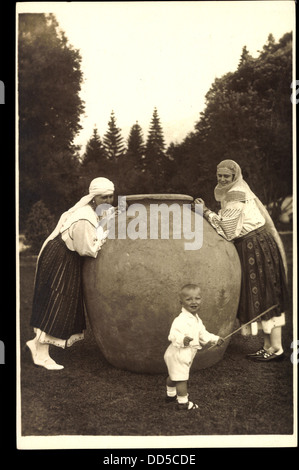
(263, 277)
(58, 307)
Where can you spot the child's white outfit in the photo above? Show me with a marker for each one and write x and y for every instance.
(178, 357)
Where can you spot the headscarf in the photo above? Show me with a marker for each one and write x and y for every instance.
(239, 190)
(98, 187)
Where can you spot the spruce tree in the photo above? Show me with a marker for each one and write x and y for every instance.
(113, 140)
(136, 148)
(155, 146)
(95, 154)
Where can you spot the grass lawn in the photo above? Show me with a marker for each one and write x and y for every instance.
(90, 397)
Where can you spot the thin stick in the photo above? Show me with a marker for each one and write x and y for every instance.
(245, 324)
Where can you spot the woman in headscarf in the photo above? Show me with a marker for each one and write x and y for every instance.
(244, 220)
(58, 307)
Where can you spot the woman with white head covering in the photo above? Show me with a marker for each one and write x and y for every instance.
(58, 307)
(244, 220)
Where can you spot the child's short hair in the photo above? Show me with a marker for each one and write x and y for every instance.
(189, 287)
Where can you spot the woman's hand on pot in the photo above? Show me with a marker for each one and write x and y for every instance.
(198, 200)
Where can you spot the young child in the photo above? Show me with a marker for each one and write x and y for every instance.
(187, 335)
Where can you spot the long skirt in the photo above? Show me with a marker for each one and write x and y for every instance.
(58, 307)
(263, 277)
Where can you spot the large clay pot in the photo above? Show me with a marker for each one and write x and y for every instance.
(132, 289)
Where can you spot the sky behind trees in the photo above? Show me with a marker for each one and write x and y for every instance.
(141, 55)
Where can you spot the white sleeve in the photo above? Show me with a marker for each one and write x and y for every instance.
(85, 239)
(205, 336)
(176, 335)
(229, 222)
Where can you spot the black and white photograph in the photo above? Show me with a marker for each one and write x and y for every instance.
(156, 227)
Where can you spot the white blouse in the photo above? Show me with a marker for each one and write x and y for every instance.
(84, 236)
(236, 219)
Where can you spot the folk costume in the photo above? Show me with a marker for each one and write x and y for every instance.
(244, 220)
(58, 307)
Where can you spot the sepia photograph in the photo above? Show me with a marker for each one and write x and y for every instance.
(156, 226)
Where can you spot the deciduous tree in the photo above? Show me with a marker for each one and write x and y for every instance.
(49, 82)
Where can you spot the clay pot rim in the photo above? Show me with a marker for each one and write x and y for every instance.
(172, 197)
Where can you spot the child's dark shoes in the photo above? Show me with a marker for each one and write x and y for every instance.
(187, 406)
(170, 399)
